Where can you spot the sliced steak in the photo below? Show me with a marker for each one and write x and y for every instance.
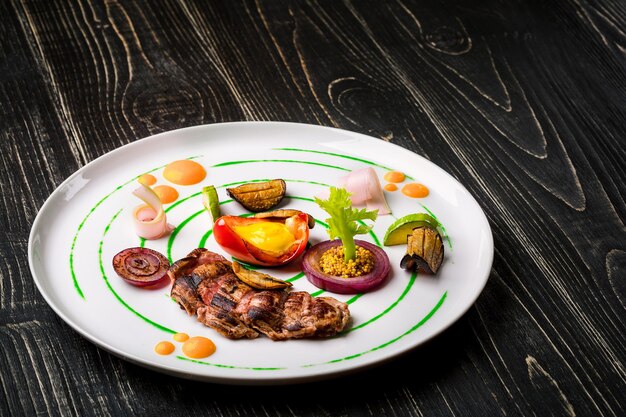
(305, 316)
(205, 285)
(195, 259)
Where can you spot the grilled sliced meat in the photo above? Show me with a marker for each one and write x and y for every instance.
(184, 291)
(224, 299)
(189, 272)
(205, 285)
(304, 316)
(196, 258)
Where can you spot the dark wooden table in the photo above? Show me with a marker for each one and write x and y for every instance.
(523, 102)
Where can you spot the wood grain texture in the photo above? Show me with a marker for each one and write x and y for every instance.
(523, 102)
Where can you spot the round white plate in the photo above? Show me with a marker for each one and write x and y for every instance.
(87, 220)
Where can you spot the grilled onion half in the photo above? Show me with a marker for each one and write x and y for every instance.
(142, 267)
(340, 285)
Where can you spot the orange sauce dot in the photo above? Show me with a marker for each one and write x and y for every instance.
(147, 180)
(415, 190)
(391, 187)
(164, 348)
(181, 337)
(184, 172)
(198, 347)
(394, 176)
(166, 193)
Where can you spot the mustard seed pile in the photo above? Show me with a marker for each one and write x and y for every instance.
(332, 263)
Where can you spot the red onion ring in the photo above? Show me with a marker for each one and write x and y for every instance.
(339, 285)
(142, 267)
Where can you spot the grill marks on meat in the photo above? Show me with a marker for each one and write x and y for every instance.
(197, 260)
(304, 316)
(265, 313)
(224, 299)
(205, 285)
(317, 317)
(184, 292)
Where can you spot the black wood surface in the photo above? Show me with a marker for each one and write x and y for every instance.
(524, 102)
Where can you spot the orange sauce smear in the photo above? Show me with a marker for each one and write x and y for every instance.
(198, 347)
(147, 180)
(394, 176)
(166, 193)
(184, 172)
(391, 187)
(181, 337)
(415, 190)
(164, 348)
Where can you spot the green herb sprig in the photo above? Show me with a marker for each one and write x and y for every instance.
(343, 221)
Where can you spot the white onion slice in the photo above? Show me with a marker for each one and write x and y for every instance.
(365, 190)
(149, 219)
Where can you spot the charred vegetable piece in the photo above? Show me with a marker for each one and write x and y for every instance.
(257, 279)
(259, 196)
(142, 267)
(211, 202)
(424, 250)
(284, 214)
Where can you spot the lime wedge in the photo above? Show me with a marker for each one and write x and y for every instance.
(211, 202)
(398, 232)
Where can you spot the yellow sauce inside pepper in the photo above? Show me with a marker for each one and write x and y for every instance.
(271, 237)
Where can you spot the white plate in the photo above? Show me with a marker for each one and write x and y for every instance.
(87, 220)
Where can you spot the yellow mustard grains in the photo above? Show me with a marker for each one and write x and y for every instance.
(332, 262)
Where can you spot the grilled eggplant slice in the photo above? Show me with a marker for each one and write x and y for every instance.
(257, 279)
(259, 196)
(424, 250)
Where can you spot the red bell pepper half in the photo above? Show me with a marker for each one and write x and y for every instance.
(235, 245)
